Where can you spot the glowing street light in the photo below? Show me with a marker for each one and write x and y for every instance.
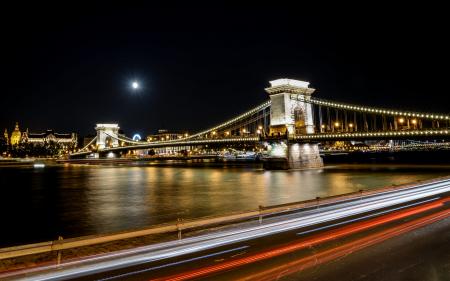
(401, 120)
(135, 85)
(350, 125)
(414, 121)
(336, 124)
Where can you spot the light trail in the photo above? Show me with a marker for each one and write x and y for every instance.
(366, 217)
(173, 263)
(117, 260)
(343, 250)
(304, 243)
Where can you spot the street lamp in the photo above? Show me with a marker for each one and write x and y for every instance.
(135, 85)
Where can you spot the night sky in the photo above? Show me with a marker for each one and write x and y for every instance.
(69, 67)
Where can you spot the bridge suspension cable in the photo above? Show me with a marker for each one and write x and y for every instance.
(87, 145)
(244, 115)
(369, 109)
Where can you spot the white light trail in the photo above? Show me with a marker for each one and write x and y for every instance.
(368, 216)
(174, 263)
(204, 242)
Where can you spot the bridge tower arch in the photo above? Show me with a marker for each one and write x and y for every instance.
(290, 114)
(287, 97)
(107, 133)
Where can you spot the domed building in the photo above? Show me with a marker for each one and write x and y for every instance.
(16, 135)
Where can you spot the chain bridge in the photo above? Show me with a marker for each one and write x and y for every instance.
(290, 126)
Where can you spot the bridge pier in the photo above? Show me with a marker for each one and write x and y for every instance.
(303, 155)
(285, 156)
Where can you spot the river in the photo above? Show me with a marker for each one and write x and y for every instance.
(38, 204)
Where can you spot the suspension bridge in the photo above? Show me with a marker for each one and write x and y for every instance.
(290, 125)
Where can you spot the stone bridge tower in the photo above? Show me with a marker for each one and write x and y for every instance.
(107, 135)
(290, 114)
(288, 110)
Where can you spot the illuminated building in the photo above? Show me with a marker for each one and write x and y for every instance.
(69, 139)
(16, 135)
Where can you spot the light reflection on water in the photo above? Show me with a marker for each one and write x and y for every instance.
(82, 200)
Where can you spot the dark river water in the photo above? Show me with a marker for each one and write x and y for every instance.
(38, 204)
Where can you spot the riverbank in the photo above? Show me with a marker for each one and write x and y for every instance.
(24, 162)
(8, 162)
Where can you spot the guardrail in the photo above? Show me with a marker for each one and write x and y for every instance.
(58, 245)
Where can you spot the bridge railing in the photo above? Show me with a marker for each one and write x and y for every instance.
(379, 134)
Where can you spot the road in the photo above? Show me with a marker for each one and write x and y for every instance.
(281, 246)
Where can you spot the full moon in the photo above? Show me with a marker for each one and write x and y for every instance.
(135, 85)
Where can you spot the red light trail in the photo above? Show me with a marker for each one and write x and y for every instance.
(324, 237)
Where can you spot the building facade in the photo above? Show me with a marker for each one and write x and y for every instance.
(50, 137)
(17, 137)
